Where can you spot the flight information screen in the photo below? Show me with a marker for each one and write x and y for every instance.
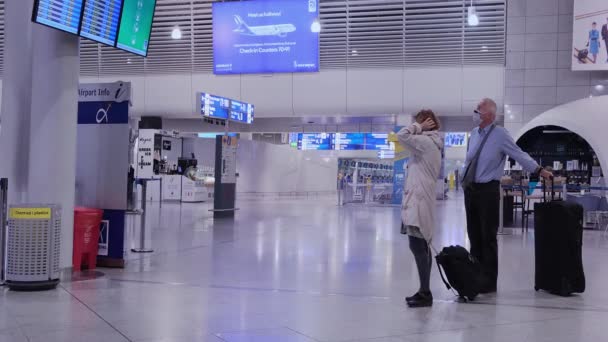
(315, 141)
(136, 26)
(60, 14)
(377, 141)
(241, 112)
(100, 20)
(350, 141)
(214, 106)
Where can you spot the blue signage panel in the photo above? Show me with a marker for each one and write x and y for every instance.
(215, 106)
(101, 113)
(377, 142)
(241, 112)
(60, 14)
(218, 107)
(350, 141)
(455, 139)
(100, 20)
(266, 36)
(315, 141)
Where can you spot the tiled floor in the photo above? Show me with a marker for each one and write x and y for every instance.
(302, 270)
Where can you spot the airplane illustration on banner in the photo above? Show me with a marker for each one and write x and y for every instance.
(280, 30)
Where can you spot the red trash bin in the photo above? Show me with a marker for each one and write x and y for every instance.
(86, 237)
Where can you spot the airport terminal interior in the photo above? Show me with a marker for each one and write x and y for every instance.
(278, 170)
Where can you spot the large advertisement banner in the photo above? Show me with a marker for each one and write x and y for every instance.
(266, 36)
(590, 39)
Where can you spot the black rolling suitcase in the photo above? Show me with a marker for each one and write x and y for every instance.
(558, 235)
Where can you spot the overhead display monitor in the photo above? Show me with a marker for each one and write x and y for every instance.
(63, 15)
(217, 107)
(241, 112)
(136, 26)
(266, 36)
(378, 142)
(212, 106)
(590, 37)
(455, 140)
(315, 141)
(349, 141)
(100, 20)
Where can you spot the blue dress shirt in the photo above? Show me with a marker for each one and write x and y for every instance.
(492, 159)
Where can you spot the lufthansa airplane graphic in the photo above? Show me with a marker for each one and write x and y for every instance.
(280, 30)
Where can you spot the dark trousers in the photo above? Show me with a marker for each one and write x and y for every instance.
(482, 203)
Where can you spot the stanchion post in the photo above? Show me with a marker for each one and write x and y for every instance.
(142, 230)
(3, 217)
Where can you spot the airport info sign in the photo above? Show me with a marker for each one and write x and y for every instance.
(268, 36)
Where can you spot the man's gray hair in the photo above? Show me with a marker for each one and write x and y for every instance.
(492, 104)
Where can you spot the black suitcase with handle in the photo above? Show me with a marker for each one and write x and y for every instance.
(558, 241)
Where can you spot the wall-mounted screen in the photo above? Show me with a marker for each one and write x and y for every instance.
(63, 15)
(100, 20)
(265, 36)
(136, 26)
(590, 37)
(455, 140)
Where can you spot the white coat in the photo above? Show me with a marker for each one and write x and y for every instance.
(423, 167)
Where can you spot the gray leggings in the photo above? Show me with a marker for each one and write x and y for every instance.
(424, 261)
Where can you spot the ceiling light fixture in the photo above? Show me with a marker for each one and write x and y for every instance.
(316, 26)
(599, 87)
(176, 33)
(472, 17)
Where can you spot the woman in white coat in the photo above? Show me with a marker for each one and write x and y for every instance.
(418, 209)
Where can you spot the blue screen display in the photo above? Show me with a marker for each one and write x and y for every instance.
(350, 141)
(455, 139)
(241, 112)
(214, 106)
(377, 141)
(60, 14)
(266, 36)
(315, 141)
(100, 20)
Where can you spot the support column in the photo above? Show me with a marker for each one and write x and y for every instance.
(39, 115)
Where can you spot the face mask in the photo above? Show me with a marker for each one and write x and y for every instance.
(476, 118)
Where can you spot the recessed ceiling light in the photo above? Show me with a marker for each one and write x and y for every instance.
(315, 27)
(176, 33)
(472, 18)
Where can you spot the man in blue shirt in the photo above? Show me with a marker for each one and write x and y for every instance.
(481, 183)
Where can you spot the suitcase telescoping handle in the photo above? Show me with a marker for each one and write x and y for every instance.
(544, 183)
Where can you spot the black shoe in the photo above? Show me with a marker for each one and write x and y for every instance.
(420, 300)
(488, 290)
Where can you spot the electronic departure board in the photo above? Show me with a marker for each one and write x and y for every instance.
(63, 15)
(218, 107)
(241, 112)
(349, 141)
(100, 20)
(377, 141)
(136, 26)
(212, 106)
(315, 141)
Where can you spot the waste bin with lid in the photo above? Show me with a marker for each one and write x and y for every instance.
(86, 237)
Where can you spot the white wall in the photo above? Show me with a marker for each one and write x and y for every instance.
(539, 53)
(447, 90)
